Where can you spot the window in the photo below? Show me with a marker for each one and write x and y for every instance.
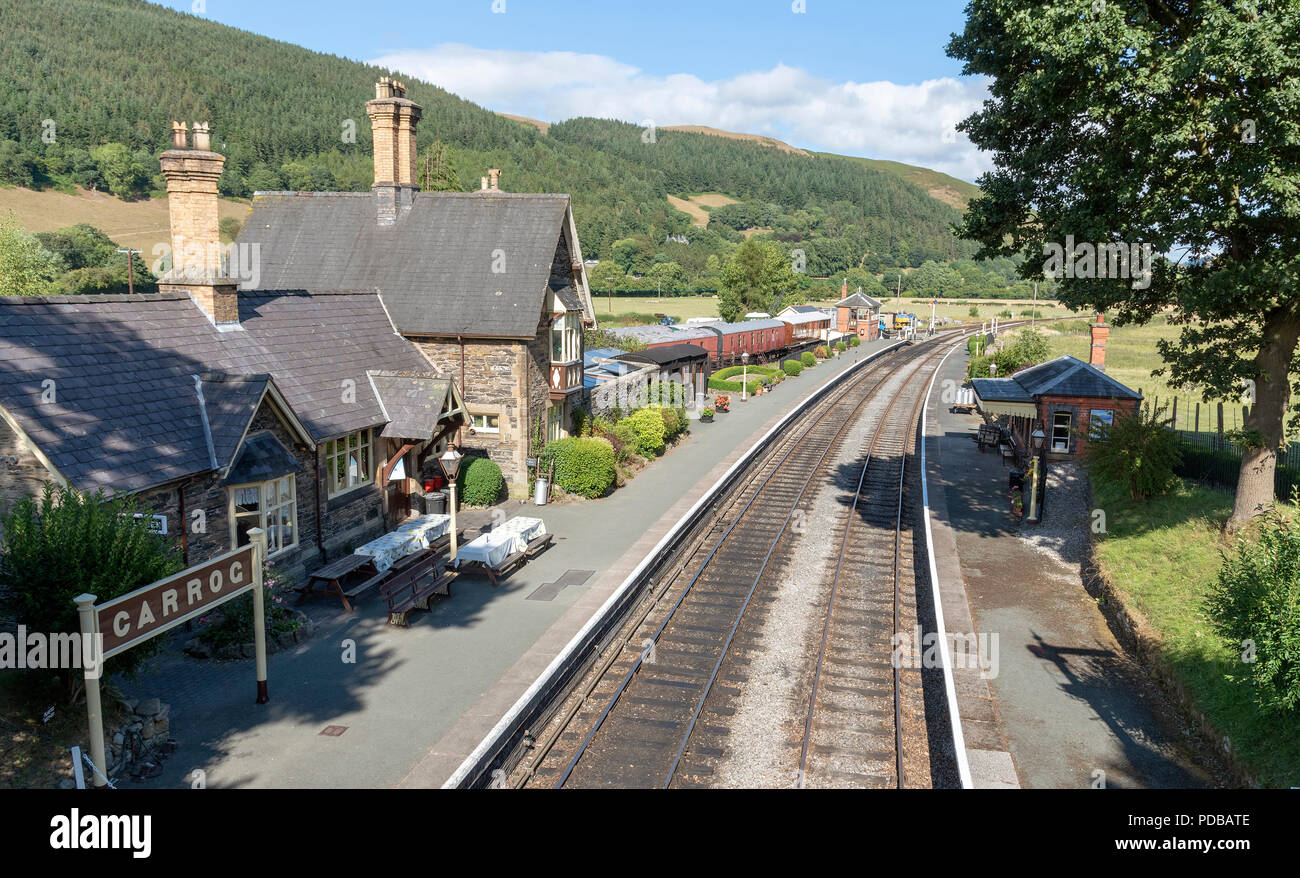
(1099, 422)
(348, 462)
(1061, 431)
(485, 423)
(566, 338)
(272, 506)
(554, 421)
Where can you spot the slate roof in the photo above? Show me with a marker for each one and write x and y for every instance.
(230, 402)
(1064, 376)
(803, 309)
(261, 459)
(803, 317)
(668, 354)
(858, 300)
(125, 411)
(411, 402)
(434, 267)
(744, 326)
(657, 334)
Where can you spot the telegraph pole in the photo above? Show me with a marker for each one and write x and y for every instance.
(1033, 311)
(130, 271)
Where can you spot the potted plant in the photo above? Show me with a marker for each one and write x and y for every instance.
(722, 402)
(1017, 503)
(706, 414)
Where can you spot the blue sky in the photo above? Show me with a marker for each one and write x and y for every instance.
(863, 78)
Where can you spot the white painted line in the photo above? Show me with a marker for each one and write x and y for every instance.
(504, 724)
(954, 717)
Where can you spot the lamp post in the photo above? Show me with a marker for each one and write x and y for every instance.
(1036, 438)
(450, 463)
(744, 376)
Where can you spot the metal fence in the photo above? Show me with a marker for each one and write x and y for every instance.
(1209, 457)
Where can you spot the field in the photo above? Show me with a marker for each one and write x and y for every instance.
(136, 224)
(694, 205)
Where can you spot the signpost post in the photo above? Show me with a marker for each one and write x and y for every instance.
(145, 613)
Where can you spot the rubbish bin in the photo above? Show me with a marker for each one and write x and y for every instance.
(1016, 479)
(435, 503)
(539, 496)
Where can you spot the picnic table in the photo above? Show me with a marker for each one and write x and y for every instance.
(357, 571)
(407, 539)
(503, 547)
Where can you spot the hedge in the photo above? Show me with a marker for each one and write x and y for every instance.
(732, 371)
(807, 359)
(582, 466)
(792, 368)
(480, 482)
(649, 427)
(841, 346)
(734, 386)
(854, 341)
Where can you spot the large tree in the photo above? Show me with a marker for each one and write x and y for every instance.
(1174, 123)
(757, 276)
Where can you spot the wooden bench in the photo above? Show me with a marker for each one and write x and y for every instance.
(411, 587)
(539, 545)
(343, 570)
(988, 434)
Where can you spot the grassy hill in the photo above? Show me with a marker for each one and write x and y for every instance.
(949, 190)
(117, 71)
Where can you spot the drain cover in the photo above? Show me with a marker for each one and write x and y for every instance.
(333, 731)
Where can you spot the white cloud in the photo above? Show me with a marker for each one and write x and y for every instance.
(906, 123)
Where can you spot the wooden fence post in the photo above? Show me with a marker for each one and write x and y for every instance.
(1220, 423)
(1198, 418)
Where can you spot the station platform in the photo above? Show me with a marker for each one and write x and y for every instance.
(414, 702)
(1068, 707)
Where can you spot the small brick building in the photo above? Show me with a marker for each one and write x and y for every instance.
(1065, 398)
(858, 315)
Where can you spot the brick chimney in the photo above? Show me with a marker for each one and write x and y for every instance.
(1097, 354)
(393, 121)
(198, 267)
(494, 179)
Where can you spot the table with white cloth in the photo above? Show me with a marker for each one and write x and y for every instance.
(493, 548)
(407, 539)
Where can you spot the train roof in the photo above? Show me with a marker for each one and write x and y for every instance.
(806, 317)
(655, 333)
(745, 326)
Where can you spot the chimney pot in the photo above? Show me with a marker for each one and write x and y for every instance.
(202, 136)
(180, 135)
(494, 178)
(483, 184)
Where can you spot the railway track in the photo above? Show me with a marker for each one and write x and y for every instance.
(653, 710)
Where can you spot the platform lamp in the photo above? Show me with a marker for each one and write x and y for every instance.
(450, 463)
(1037, 439)
(744, 376)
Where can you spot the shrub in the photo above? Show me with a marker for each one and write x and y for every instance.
(1255, 607)
(854, 341)
(791, 368)
(1005, 312)
(480, 482)
(628, 441)
(236, 617)
(582, 466)
(648, 425)
(807, 359)
(841, 346)
(66, 543)
(707, 411)
(675, 424)
(821, 353)
(1137, 453)
(580, 420)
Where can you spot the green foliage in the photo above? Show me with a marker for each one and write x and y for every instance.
(1255, 607)
(626, 440)
(582, 466)
(1137, 452)
(675, 424)
(649, 432)
(479, 482)
(975, 312)
(234, 622)
(92, 263)
(595, 339)
(64, 544)
(26, 267)
(792, 368)
(127, 175)
(841, 346)
(807, 359)
(757, 274)
(854, 341)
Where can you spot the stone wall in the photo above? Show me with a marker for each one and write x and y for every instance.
(625, 393)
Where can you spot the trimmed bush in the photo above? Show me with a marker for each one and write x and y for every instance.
(623, 437)
(821, 353)
(733, 371)
(675, 425)
(1255, 607)
(582, 466)
(479, 482)
(854, 341)
(808, 359)
(792, 368)
(841, 346)
(648, 426)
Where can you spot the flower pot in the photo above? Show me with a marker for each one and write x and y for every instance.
(708, 419)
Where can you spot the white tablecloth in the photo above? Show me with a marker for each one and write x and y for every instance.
(495, 546)
(407, 539)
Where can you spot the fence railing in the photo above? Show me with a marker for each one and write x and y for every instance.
(1209, 457)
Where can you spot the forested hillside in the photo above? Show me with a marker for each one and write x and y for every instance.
(91, 87)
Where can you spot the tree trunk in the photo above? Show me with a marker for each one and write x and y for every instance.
(1267, 414)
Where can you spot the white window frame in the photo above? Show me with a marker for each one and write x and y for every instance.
(1069, 422)
(1092, 421)
(474, 421)
(343, 447)
(267, 514)
(554, 423)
